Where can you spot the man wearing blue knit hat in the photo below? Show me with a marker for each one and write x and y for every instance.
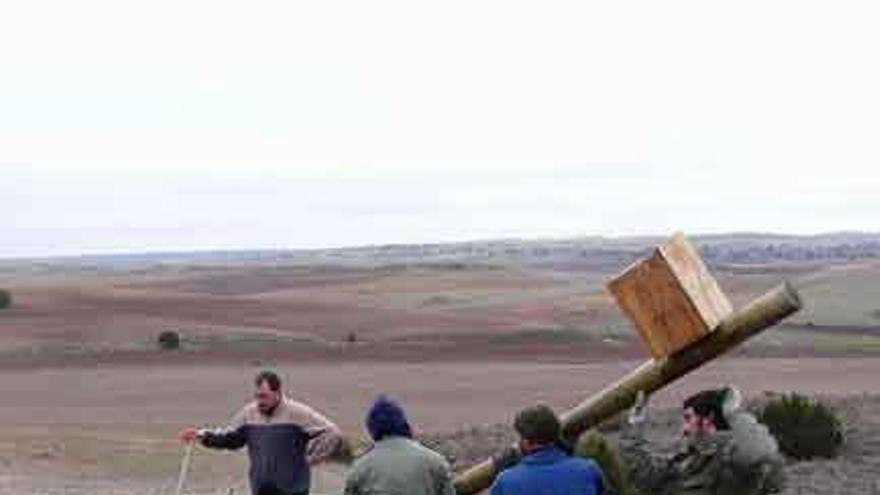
(397, 464)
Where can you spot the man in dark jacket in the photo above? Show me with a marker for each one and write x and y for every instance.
(545, 469)
(725, 451)
(397, 464)
(284, 439)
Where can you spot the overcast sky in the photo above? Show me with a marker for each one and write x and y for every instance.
(167, 125)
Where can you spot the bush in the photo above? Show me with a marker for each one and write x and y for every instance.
(5, 299)
(169, 340)
(805, 428)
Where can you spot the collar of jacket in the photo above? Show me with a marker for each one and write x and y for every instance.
(392, 440)
(544, 455)
(708, 444)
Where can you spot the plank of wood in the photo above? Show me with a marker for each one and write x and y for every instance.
(696, 281)
(650, 294)
(670, 297)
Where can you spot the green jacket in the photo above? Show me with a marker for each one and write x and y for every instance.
(744, 460)
(400, 466)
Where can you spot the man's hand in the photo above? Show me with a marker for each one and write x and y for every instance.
(639, 412)
(191, 434)
(343, 453)
(732, 401)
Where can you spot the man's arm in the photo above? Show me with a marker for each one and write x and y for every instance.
(649, 472)
(324, 436)
(756, 452)
(443, 476)
(497, 486)
(231, 437)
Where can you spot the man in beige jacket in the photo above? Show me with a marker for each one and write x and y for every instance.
(284, 439)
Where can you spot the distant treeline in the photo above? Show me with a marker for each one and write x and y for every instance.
(590, 254)
(576, 252)
(776, 252)
(753, 250)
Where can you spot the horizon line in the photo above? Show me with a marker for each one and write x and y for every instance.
(162, 252)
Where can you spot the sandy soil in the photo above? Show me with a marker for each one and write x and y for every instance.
(439, 396)
(242, 313)
(79, 430)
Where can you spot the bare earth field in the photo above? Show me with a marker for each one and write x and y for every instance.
(85, 428)
(91, 405)
(382, 313)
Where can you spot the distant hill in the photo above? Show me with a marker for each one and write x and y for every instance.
(508, 297)
(734, 248)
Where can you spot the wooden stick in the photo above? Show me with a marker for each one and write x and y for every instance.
(184, 466)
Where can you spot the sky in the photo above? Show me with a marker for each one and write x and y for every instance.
(192, 125)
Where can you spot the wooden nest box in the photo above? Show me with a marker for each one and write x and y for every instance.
(670, 297)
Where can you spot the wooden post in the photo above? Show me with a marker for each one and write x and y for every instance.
(759, 315)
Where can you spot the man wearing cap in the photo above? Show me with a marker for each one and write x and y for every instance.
(397, 464)
(725, 451)
(545, 468)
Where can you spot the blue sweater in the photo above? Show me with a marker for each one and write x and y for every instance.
(549, 471)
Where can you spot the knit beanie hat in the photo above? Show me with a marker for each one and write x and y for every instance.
(386, 419)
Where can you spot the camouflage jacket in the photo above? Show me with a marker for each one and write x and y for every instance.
(744, 460)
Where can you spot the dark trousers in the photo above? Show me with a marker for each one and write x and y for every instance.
(271, 490)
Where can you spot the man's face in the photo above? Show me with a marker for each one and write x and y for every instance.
(694, 425)
(266, 398)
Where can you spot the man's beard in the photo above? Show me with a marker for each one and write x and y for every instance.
(268, 411)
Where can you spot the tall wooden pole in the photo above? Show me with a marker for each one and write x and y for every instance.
(759, 315)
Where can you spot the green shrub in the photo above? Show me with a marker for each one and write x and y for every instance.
(805, 428)
(5, 299)
(169, 340)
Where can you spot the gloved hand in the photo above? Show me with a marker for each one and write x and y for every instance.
(638, 414)
(506, 459)
(732, 401)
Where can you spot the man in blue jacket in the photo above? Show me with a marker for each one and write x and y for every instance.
(545, 469)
